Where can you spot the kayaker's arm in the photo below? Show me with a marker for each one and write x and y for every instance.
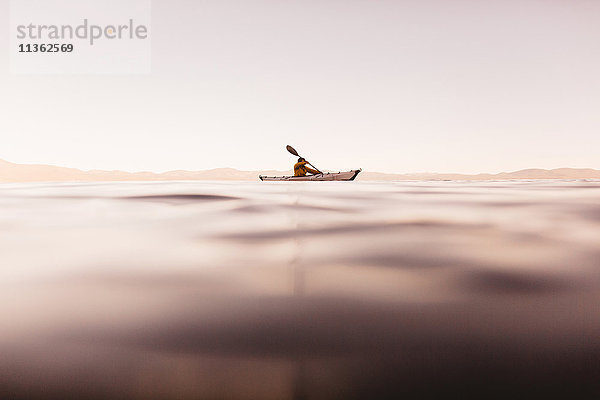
(312, 171)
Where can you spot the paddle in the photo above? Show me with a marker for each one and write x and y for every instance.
(294, 152)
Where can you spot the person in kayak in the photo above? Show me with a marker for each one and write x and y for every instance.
(300, 169)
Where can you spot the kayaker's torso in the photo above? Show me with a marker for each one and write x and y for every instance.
(300, 169)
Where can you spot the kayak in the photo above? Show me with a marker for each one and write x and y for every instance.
(328, 176)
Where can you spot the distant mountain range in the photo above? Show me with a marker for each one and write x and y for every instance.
(11, 172)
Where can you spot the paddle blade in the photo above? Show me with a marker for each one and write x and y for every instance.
(292, 150)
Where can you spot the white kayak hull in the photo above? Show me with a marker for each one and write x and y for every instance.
(329, 176)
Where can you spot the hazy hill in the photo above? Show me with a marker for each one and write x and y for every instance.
(532, 173)
(11, 172)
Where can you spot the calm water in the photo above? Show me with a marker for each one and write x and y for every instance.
(256, 290)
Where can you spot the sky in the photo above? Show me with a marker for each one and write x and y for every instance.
(392, 86)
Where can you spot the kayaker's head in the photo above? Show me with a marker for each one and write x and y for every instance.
(301, 159)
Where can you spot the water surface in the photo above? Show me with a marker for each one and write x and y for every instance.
(249, 290)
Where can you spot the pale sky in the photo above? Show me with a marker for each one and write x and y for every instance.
(391, 86)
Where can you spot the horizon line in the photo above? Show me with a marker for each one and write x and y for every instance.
(288, 170)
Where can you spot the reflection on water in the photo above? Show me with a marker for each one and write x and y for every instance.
(191, 290)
